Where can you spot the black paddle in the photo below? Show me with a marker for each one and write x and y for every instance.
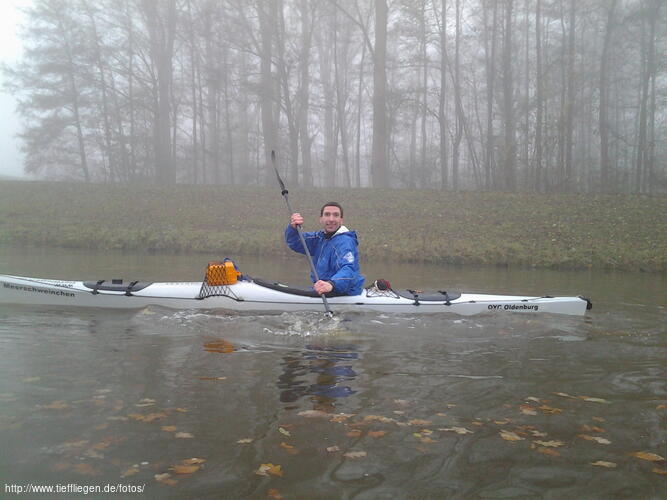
(284, 192)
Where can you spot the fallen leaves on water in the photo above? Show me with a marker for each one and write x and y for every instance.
(168, 428)
(341, 417)
(354, 433)
(527, 410)
(355, 454)
(550, 410)
(212, 378)
(661, 407)
(284, 431)
(332, 449)
(292, 450)
(387, 420)
(547, 451)
(377, 434)
(183, 435)
(418, 421)
(646, 455)
(596, 439)
(550, 444)
(245, 441)
(458, 430)
(510, 436)
(274, 494)
(589, 399)
(270, 469)
(592, 428)
(185, 469)
(662, 472)
(602, 463)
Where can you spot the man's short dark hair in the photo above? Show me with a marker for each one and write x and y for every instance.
(331, 204)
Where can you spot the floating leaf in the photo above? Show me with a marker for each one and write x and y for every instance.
(165, 479)
(168, 428)
(659, 407)
(564, 395)
(550, 410)
(645, 455)
(528, 410)
(150, 417)
(274, 494)
(181, 410)
(594, 400)
(458, 430)
(333, 449)
(417, 421)
(377, 434)
(183, 435)
(531, 398)
(245, 441)
(289, 448)
(314, 414)
(510, 436)
(592, 428)
(504, 421)
(185, 469)
(341, 417)
(599, 419)
(192, 461)
(379, 418)
(538, 434)
(602, 463)
(550, 444)
(130, 472)
(595, 439)
(212, 378)
(284, 431)
(266, 469)
(355, 454)
(354, 433)
(662, 472)
(547, 451)
(427, 440)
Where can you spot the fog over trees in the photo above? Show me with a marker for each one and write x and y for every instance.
(513, 95)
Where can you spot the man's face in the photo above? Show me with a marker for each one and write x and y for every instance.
(331, 219)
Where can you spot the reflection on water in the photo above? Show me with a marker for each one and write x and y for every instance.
(325, 365)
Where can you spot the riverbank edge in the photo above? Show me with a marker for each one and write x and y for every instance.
(621, 232)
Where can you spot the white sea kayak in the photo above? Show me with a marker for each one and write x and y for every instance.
(255, 295)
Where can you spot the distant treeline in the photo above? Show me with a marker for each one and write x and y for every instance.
(509, 229)
(541, 95)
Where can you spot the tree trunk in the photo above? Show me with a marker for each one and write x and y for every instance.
(509, 170)
(379, 167)
(605, 167)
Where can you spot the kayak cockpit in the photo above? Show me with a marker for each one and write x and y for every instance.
(116, 285)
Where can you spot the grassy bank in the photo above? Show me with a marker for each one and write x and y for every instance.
(558, 231)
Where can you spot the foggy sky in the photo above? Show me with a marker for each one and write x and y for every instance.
(10, 51)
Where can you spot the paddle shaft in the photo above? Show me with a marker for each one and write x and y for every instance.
(299, 230)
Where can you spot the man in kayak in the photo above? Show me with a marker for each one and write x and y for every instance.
(334, 251)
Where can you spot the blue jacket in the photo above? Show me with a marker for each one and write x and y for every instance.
(336, 259)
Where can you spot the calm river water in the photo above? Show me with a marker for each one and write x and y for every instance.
(365, 406)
